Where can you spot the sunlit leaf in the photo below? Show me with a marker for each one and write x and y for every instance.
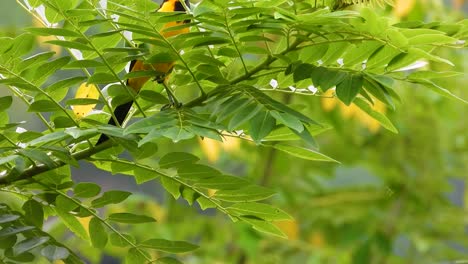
(97, 233)
(303, 153)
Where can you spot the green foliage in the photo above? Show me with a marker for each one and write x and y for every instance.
(235, 72)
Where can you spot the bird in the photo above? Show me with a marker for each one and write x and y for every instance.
(163, 69)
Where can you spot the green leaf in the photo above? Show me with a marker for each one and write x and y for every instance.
(5, 44)
(97, 233)
(205, 203)
(59, 90)
(44, 106)
(431, 39)
(6, 218)
(102, 78)
(78, 64)
(397, 38)
(121, 240)
(8, 242)
(53, 253)
(206, 59)
(33, 212)
(21, 45)
(135, 255)
(162, 57)
(426, 55)
(5, 103)
(8, 159)
(172, 186)
(260, 210)
(381, 118)
(261, 125)
(154, 97)
(53, 31)
(34, 60)
(204, 132)
(38, 156)
(306, 137)
(26, 257)
(303, 153)
(29, 244)
(349, 88)
(143, 175)
(20, 83)
(433, 74)
(246, 194)
(86, 190)
(288, 120)
(72, 223)
(77, 132)
(229, 107)
(326, 79)
(42, 73)
(48, 138)
(189, 194)
(379, 89)
(13, 230)
(140, 74)
(129, 218)
(264, 226)
(243, 115)
(205, 41)
(302, 71)
(147, 125)
(106, 34)
(438, 89)
(177, 159)
(227, 52)
(254, 38)
(178, 133)
(70, 45)
(110, 197)
(169, 246)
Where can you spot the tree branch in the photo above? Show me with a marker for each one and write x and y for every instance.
(38, 169)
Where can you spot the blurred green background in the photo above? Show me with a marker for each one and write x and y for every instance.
(393, 199)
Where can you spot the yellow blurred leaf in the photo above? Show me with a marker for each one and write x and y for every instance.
(329, 101)
(85, 91)
(85, 222)
(211, 192)
(289, 227)
(316, 239)
(156, 210)
(353, 111)
(348, 111)
(41, 40)
(210, 148)
(403, 7)
(458, 4)
(231, 144)
(371, 123)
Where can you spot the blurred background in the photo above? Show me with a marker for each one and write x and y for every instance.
(393, 199)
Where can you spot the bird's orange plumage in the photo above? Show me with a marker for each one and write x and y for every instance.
(137, 83)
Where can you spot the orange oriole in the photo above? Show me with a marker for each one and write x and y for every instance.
(135, 84)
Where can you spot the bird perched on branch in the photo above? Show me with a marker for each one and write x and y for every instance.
(163, 69)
